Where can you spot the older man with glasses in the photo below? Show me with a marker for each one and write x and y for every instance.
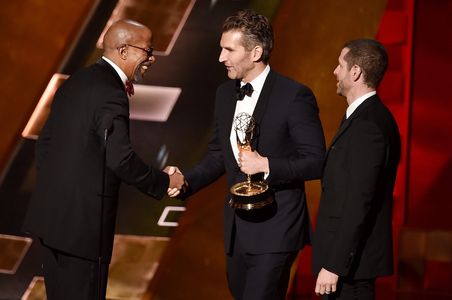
(73, 208)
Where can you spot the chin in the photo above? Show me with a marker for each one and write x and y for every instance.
(232, 75)
(137, 76)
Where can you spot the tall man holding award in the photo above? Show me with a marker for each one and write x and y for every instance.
(267, 126)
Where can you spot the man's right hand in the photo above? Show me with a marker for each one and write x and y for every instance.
(177, 180)
(326, 282)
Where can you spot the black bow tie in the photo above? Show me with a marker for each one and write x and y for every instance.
(246, 89)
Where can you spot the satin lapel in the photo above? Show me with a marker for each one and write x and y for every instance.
(347, 123)
(261, 105)
(353, 116)
(341, 130)
(107, 66)
(228, 113)
(368, 102)
(262, 102)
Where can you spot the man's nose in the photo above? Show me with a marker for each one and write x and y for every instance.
(221, 58)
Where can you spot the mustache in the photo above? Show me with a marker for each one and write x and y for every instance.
(147, 63)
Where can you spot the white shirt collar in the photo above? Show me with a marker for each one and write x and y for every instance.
(117, 69)
(352, 107)
(259, 81)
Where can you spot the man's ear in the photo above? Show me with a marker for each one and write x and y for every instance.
(257, 53)
(122, 52)
(356, 72)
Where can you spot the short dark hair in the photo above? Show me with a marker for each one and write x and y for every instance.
(371, 56)
(256, 30)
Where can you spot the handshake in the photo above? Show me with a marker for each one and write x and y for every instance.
(177, 181)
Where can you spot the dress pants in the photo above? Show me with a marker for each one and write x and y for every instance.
(68, 277)
(348, 289)
(258, 276)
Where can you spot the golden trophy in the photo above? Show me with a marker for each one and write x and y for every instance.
(248, 194)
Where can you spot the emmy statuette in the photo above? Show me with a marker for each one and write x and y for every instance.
(248, 194)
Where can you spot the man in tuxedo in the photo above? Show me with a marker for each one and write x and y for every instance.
(261, 243)
(72, 212)
(352, 243)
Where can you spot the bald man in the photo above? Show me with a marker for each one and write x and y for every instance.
(67, 212)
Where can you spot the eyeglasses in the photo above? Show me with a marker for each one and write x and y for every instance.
(147, 50)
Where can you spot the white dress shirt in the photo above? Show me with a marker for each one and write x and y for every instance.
(247, 105)
(351, 108)
(117, 69)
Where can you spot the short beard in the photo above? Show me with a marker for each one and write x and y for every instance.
(137, 76)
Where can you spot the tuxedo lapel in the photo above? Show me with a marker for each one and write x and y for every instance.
(108, 67)
(261, 105)
(262, 102)
(259, 110)
(348, 122)
(229, 109)
(353, 116)
(344, 126)
(341, 130)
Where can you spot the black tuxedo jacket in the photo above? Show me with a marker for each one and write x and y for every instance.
(290, 134)
(353, 235)
(66, 205)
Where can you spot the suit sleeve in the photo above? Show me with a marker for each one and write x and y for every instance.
(366, 156)
(121, 158)
(211, 166)
(45, 138)
(306, 133)
(43, 144)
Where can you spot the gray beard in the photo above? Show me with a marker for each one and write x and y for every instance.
(137, 74)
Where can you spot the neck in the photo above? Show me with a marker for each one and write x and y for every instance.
(358, 92)
(256, 71)
(117, 61)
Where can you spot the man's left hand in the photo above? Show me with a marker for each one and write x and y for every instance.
(251, 162)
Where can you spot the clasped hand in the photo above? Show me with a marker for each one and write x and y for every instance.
(251, 162)
(176, 180)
